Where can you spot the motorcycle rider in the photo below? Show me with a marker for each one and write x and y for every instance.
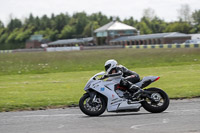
(129, 77)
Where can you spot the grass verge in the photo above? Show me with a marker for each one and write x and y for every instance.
(39, 63)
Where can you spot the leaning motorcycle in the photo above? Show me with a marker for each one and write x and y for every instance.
(107, 94)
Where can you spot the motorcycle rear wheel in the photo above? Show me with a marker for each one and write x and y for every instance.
(92, 108)
(161, 101)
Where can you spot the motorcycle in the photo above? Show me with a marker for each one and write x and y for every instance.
(102, 94)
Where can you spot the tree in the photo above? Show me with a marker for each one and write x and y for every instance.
(81, 22)
(143, 28)
(12, 36)
(196, 21)
(100, 18)
(29, 20)
(1, 24)
(67, 32)
(3, 36)
(45, 22)
(149, 13)
(89, 28)
(184, 13)
(158, 25)
(24, 34)
(2, 29)
(130, 21)
(14, 23)
(48, 34)
(183, 27)
(196, 17)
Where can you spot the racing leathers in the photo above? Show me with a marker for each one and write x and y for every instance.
(129, 79)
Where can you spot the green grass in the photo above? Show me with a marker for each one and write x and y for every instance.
(40, 90)
(179, 70)
(37, 63)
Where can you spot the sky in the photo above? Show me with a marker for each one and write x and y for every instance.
(164, 9)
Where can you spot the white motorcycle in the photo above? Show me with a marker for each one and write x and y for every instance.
(101, 94)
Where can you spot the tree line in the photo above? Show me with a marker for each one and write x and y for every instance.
(65, 26)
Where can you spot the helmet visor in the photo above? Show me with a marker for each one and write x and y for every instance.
(107, 67)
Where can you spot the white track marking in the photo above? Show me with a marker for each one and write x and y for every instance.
(54, 115)
(186, 110)
(164, 121)
(60, 126)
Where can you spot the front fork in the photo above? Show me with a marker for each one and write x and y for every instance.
(93, 96)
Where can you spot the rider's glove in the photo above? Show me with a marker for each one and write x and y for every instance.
(104, 76)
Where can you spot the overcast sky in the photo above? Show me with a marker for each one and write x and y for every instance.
(164, 9)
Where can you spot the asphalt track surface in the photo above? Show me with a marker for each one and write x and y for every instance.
(182, 116)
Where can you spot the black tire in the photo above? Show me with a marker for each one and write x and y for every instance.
(89, 112)
(152, 107)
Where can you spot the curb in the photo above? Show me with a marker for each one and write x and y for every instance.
(164, 46)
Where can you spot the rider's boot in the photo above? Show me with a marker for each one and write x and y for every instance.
(137, 91)
(132, 88)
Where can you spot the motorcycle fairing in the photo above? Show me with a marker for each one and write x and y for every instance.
(146, 81)
(107, 88)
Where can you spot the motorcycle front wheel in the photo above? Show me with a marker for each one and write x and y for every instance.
(160, 101)
(90, 107)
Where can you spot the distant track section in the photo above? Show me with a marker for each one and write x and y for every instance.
(54, 49)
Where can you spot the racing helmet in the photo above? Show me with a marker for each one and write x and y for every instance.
(110, 65)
